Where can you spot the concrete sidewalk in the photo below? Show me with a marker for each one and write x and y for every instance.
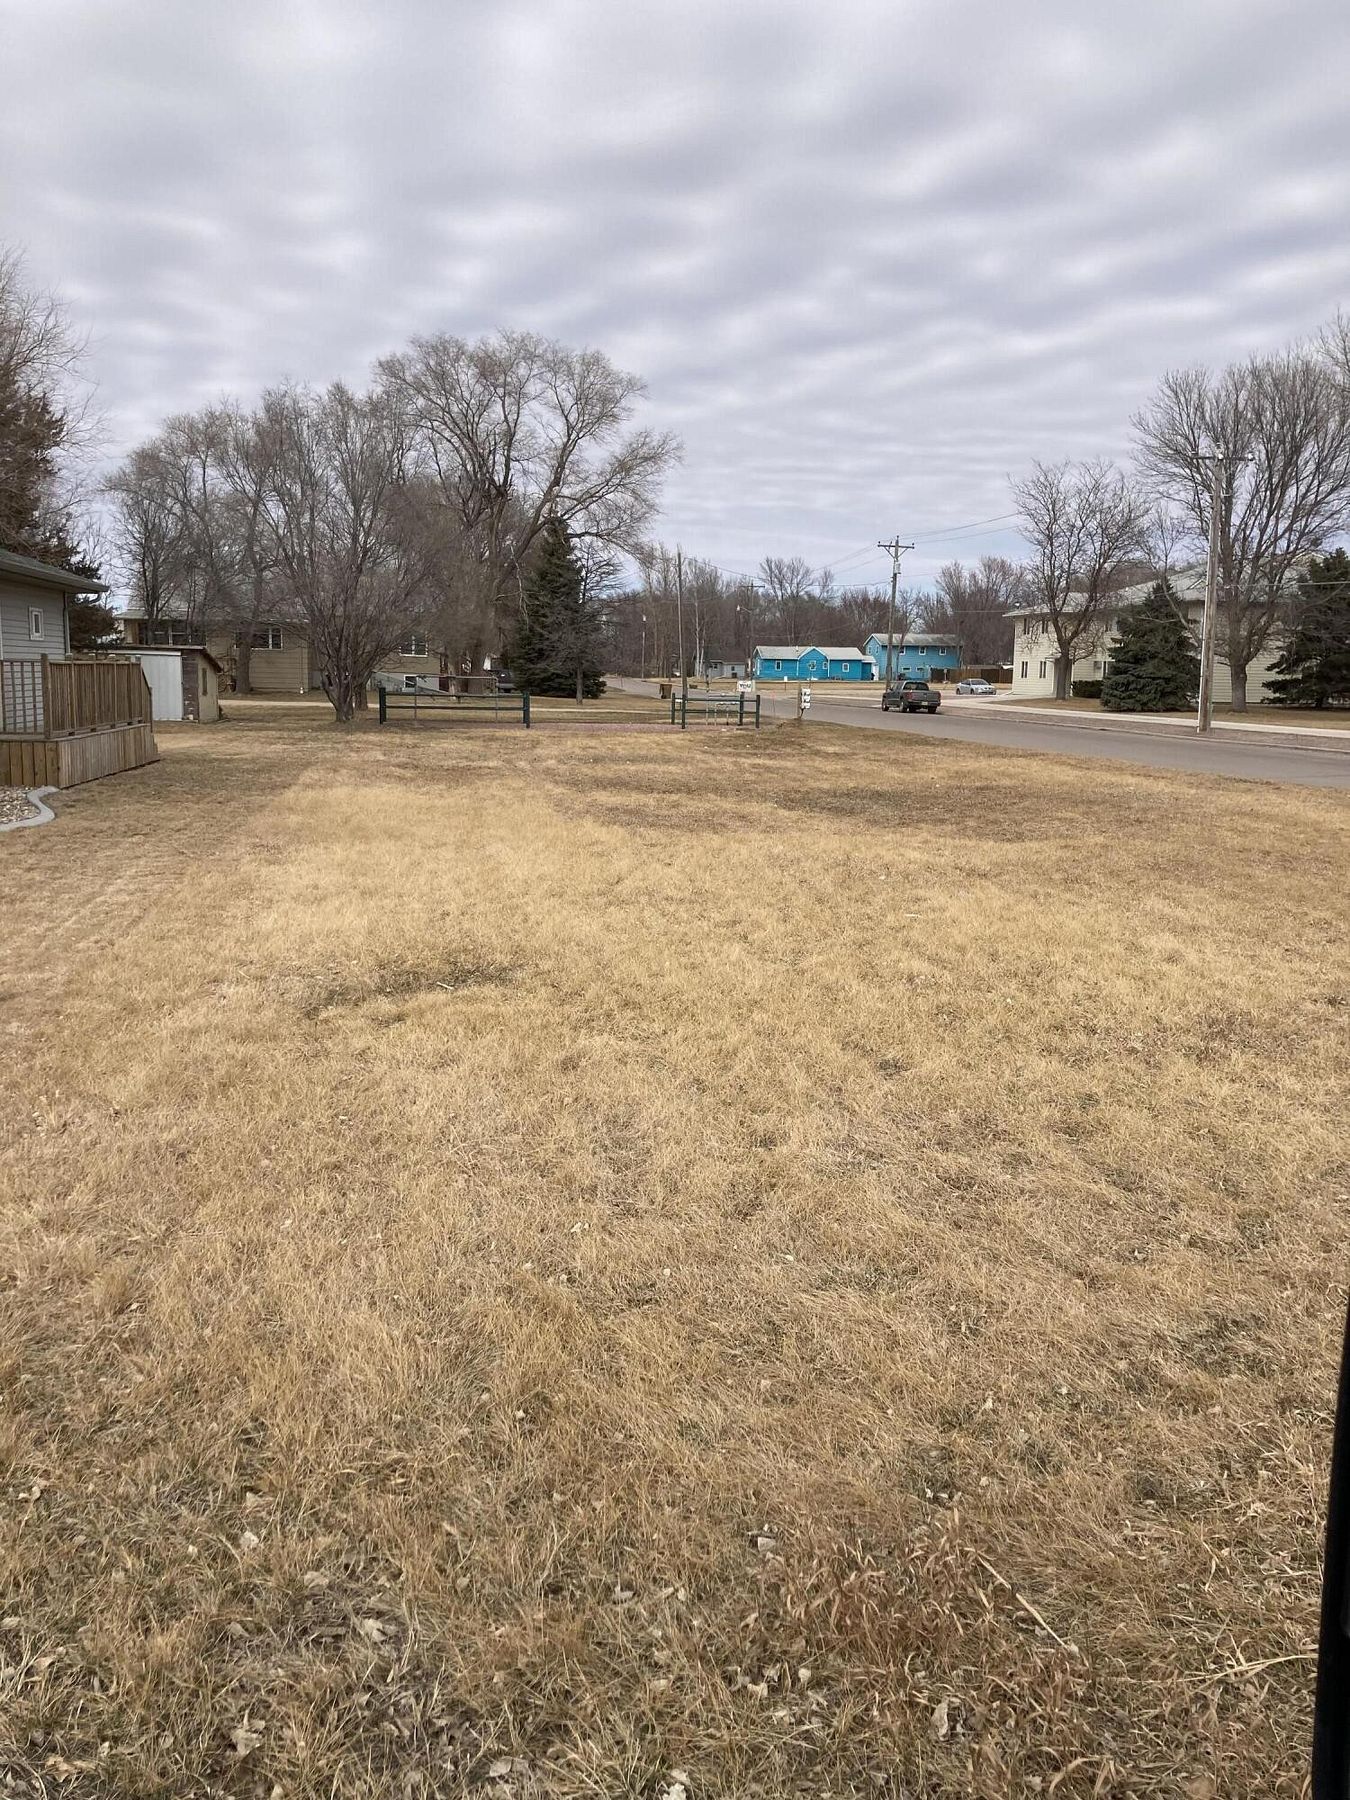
(1306, 737)
(1329, 737)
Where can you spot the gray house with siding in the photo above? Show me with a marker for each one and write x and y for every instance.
(33, 599)
(33, 624)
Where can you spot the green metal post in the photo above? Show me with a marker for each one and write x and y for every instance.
(756, 712)
(525, 710)
(684, 712)
(740, 708)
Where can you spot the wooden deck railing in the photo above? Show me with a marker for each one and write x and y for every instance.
(52, 697)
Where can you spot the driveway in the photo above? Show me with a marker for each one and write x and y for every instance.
(1004, 728)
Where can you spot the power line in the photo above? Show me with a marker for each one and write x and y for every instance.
(941, 531)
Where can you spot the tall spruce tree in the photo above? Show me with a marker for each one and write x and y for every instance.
(557, 647)
(1154, 668)
(1314, 669)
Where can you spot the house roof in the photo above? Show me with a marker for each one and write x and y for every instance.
(920, 640)
(137, 651)
(1187, 584)
(28, 568)
(796, 650)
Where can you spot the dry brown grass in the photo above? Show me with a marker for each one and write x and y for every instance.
(534, 1263)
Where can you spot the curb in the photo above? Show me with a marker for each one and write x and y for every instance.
(44, 815)
(1265, 737)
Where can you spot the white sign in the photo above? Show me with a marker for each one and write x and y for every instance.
(745, 687)
(806, 699)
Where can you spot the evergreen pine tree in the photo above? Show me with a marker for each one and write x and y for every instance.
(1314, 669)
(557, 647)
(1154, 668)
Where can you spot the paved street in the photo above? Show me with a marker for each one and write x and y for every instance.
(1004, 728)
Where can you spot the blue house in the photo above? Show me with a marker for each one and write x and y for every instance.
(918, 654)
(813, 662)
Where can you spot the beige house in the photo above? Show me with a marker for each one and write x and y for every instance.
(281, 659)
(1035, 656)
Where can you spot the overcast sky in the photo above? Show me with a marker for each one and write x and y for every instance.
(870, 257)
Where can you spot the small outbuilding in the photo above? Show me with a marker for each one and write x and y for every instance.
(184, 680)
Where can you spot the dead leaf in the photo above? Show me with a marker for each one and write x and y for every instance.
(941, 1722)
(245, 1737)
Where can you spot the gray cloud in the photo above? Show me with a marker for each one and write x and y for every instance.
(870, 259)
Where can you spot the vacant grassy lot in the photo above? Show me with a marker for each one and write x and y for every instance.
(563, 1265)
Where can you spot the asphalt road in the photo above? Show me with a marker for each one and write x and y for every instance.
(1005, 728)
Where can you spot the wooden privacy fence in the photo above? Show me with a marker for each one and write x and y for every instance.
(60, 697)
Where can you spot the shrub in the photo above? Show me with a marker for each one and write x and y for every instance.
(1087, 690)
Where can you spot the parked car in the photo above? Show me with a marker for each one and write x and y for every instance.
(911, 696)
(984, 690)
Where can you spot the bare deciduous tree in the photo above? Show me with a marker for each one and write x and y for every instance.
(150, 543)
(334, 492)
(973, 605)
(798, 600)
(517, 429)
(1084, 522)
(45, 421)
(1282, 425)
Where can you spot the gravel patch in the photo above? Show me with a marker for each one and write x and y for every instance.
(15, 805)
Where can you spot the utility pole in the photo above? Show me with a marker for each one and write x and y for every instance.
(679, 624)
(749, 591)
(896, 549)
(1210, 626)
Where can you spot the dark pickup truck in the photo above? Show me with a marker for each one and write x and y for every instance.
(911, 696)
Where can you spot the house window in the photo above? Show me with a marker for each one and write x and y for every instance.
(847, 667)
(1097, 667)
(173, 631)
(1024, 671)
(1026, 627)
(413, 646)
(264, 637)
(777, 663)
(203, 681)
(35, 621)
(1042, 671)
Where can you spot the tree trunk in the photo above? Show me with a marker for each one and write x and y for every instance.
(1063, 674)
(581, 683)
(1238, 675)
(341, 691)
(243, 667)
